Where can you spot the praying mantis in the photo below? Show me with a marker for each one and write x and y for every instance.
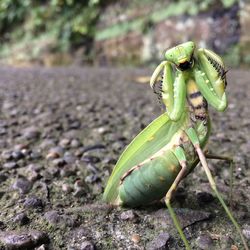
(170, 147)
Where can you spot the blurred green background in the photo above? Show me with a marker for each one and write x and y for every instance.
(108, 32)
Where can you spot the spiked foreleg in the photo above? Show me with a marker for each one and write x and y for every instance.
(208, 91)
(210, 77)
(179, 97)
(173, 91)
(167, 91)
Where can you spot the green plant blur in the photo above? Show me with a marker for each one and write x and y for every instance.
(70, 22)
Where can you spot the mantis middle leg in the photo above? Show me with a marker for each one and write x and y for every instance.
(231, 162)
(180, 155)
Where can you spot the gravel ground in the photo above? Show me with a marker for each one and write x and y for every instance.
(61, 132)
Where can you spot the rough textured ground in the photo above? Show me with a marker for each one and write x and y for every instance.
(61, 132)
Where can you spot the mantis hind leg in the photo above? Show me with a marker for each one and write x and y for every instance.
(180, 154)
(195, 141)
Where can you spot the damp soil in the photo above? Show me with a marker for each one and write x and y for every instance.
(61, 133)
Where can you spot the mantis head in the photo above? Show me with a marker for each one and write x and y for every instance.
(181, 55)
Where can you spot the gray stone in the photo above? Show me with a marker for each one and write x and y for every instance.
(87, 245)
(128, 215)
(204, 242)
(33, 202)
(10, 165)
(64, 142)
(23, 185)
(59, 162)
(54, 153)
(31, 133)
(6, 155)
(23, 240)
(246, 231)
(21, 219)
(17, 155)
(55, 218)
(159, 242)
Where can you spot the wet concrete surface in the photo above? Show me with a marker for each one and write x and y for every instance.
(61, 132)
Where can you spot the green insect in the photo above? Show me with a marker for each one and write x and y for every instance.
(169, 148)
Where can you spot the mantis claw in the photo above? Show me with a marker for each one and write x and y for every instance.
(156, 73)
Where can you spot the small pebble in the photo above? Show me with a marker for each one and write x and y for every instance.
(23, 185)
(34, 167)
(66, 188)
(87, 245)
(33, 202)
(233, 247)
(69, 158)
(35, 155)
(6, 155)
(80, 188)
(135, 238)
(17, 155)
(246, 231)
(10, 165)
(46, 144)
(59, 162)
(128, 215)
(159, 242)
(19, 147)
(79, 152)
(54, 218)
(21, 219)
(91, 178)
(23, 240)
(205, 242)
(64, 142)
(75, 143)
(54, 153)
(31, 133)
(67, 171)
(33, 176)
(75, 125)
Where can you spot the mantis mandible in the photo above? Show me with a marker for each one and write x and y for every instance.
(170, 147)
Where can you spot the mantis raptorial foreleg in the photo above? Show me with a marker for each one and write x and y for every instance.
(214, 69)
(218, 102)
(211, 78)
(173, 91)
(195, 141)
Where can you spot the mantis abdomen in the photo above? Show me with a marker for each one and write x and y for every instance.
(150, 181)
